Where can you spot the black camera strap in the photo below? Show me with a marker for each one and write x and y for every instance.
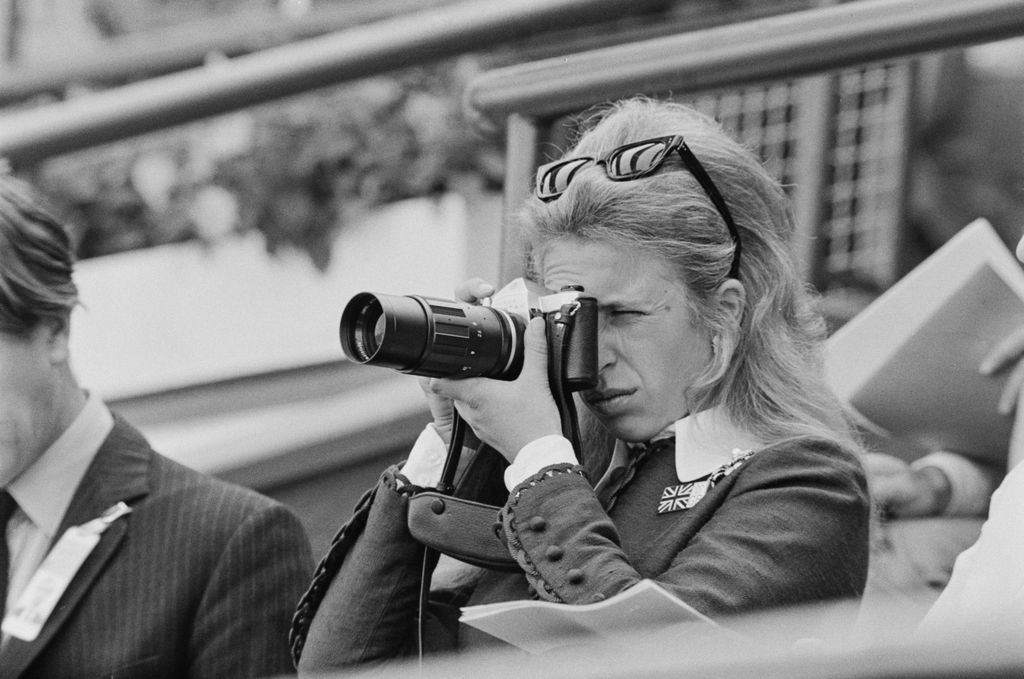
(445, 486)
(559, 331)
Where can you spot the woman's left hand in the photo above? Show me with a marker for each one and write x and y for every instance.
(508, 415)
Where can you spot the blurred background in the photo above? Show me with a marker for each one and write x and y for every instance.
(235, 170)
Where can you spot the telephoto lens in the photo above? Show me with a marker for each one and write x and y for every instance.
(432, 337)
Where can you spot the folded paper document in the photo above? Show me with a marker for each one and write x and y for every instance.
(539, 626)
(908, 363)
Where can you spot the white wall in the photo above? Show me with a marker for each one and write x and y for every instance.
(179, 315)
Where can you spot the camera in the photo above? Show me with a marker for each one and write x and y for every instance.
(443, 338)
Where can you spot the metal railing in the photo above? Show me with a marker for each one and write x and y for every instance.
(387, 45)
(157, 52)
(783, 46)
(531, 97)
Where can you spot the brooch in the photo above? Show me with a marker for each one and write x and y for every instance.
(686, 495)
(683, 496)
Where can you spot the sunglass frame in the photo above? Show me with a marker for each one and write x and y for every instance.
(670, 143)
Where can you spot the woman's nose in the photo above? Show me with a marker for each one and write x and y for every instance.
(606, 350)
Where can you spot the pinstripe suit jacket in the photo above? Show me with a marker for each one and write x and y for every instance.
(200, 580)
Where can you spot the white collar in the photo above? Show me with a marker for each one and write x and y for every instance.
(705, 441)
(44, 490)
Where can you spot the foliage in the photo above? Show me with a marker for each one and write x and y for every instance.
(291, 170)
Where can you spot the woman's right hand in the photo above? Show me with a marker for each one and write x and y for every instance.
(472, 291)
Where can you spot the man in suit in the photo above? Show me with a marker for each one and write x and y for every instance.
(116, 561)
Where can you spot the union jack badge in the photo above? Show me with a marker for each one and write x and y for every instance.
(683, 496)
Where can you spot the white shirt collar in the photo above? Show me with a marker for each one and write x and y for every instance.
(44, 490)
(707, 440)
(704, 442)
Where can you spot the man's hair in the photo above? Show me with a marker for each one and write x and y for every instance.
(36, 262)
(768, 373)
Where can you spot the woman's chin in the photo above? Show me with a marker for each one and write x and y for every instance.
(631, 429)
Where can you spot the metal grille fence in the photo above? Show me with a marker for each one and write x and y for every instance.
(865, 160)
(868, 157)
(764, 119)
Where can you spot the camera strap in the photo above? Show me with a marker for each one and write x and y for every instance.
(461, 528)
(559, 332)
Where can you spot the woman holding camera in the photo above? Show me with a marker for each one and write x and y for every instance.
(733, 481)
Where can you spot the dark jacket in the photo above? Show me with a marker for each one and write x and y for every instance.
(200, 580)
(787, 525)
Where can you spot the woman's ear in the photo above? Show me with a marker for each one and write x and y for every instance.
(732, 299)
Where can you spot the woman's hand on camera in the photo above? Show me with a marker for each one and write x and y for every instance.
(473, 290)
(470, 291)
(440, 410)
(507, 415)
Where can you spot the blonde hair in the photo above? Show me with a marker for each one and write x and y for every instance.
(767, 371)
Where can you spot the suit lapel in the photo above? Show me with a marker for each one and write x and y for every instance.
(118, 473)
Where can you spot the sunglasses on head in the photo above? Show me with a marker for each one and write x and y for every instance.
(633, 161)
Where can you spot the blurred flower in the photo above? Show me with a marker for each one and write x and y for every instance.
(292, 170)
(154, 175)
(214, 212)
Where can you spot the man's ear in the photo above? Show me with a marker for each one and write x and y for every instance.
(732, 299)
(57, 337)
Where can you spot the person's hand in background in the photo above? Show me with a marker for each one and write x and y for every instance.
(903, 491)
(1008, 355)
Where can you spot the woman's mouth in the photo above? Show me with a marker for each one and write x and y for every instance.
(607, 399)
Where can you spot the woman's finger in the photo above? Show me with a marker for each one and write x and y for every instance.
(464, 391)
(473, 290)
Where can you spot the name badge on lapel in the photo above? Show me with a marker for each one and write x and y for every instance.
(51, 579)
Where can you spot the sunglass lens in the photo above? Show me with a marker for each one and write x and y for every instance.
(636, 160)
(554, 179)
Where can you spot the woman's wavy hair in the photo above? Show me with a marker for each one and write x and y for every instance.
(36, 262)
(767, 371)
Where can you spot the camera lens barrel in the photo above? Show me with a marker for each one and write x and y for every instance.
(432, 337)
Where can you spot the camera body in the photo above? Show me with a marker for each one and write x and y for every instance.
(443, 338)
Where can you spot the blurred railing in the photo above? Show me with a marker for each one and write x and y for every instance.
(788, 45)
(151, 53)
(533, 97)
(387, 45)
